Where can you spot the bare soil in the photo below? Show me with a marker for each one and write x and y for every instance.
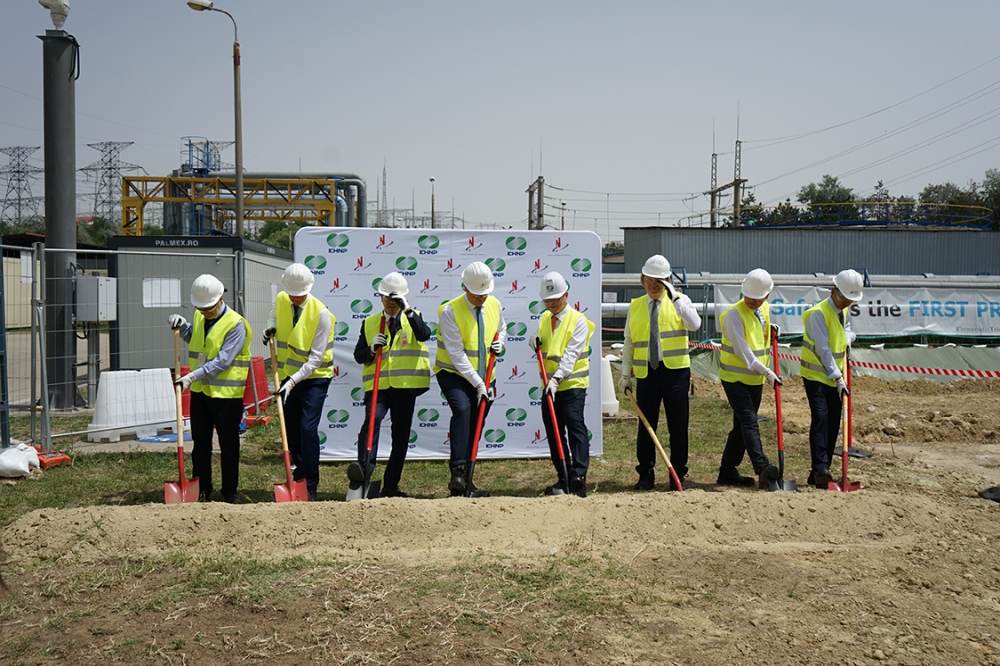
(907, 571)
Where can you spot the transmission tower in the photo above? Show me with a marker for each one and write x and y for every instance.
(18, 202)
(107, 174)
(200, 156)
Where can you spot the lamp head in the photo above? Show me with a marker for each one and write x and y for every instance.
(58, 10)
(200, 5)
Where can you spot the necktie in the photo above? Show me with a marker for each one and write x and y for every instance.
(555, 323)
(482, 343)
(297, 310)
(393, 326)
(654, 336)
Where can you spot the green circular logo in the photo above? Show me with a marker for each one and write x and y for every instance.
(515, 243)
(516, 414)
(535, 393)
(322, 438)
(427, 242)
(428, 415)
(358, 394)
(496, 264)
(336, 240)
(406, 263)
(361, 306)
(516, 329)
(315, 262)
(494, 435)
(337, 416)
(580, 265)
(375, 283)
(341, 329)
(536, 307)
(413, 436)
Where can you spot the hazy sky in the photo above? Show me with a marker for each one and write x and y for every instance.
(622, 95)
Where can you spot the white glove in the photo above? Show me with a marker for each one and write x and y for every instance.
(842, 387)
(401, 300)
(772, 378)
(552, 386)
(185, 381)
(285, 390)
(483, 392)
(497, 347)
(775, 330)
(533, 342)
(626, 384)
(176, 321)
(379, 340)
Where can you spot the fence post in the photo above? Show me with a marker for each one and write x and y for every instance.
(42, 332)
(241, 267)
(35, 324)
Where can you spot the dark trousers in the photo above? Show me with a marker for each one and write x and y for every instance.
(572, 429)
(745, 435)
(303, 410)
(824, 408)
(671, 387)
(398, 402)
(222, 415)
(461, 397)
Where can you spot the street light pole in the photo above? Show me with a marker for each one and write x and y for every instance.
(432, 203)
(562, 218)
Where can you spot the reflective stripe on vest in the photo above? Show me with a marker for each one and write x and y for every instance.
(811, 365)
(673, 336)
(465, 317)
(403, 365)
(229, 382)
(731, 367)
(554, 344)
(294, 342)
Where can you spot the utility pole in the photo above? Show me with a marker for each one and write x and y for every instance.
(18, 201)
(736, 185)
(107, 172)
(432, 203)
(536, 203)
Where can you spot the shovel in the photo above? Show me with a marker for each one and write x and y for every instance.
(291, 490)
(659, 447)
(845, 485)
(780, 483)
(363, 488)
(480, 417)
(182, 490)
(563, 454)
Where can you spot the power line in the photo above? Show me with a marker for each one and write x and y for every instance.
(622, 194)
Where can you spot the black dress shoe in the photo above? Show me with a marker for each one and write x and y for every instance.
(355, 473)
(393, 492)
(233, 499)
(820, 479)
(767, 478)
(456, 486)
(205, 496)
(734, 478)
(557, 488)
(578, 486)
(647, 479)
(477, 492)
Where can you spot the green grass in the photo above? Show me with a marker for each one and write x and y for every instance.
(137, 478)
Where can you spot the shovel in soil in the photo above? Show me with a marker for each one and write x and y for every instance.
(182, 490)
(780, 483)
(674, 479)
(480, 417)
(551, 408)
(291, 490)
(361, 486)
(845, 485)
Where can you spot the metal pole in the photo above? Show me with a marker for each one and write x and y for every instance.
(432, 204)
(93, 361)
(35, 253)
(239, 133)
(60, 52)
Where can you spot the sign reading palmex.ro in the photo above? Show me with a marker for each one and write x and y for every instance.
(349, 263)
(888, 312)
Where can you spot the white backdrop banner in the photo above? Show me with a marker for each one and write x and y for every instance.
(349, 263)
(888, 312)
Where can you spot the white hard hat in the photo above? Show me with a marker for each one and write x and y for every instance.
(553, 286)
(297, 280)
(757, 284)
(478, 278)
(393, 284)
(206, 290)
(657, 267)
(850, 283)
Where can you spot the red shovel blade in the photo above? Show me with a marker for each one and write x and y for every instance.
(843, 486)
(174, 492)
(295, 491)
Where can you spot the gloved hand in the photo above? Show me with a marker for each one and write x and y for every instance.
(626, 384)
(285, 390)
(379, 340)
(184, 381)
(672, 293)
(176, 322)
(842, 387)
(497, 347)
(775, 330)
(553, 386)
(534, 342)
(772, 378)
(268, 334)
(483, 392)
(400, 301)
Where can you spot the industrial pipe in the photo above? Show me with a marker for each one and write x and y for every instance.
(345, 181)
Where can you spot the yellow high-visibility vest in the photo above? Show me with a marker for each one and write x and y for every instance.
(403, 365)
(229, 382)
(811, 365)
(294, 342)
(554, 345)
(465, 317)
(757, 334)
(673, 336)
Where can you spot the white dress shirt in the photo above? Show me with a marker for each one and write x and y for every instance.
(455, 346)
(575, 346)
(685, 310)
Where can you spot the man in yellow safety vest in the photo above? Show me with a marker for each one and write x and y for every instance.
(824, 362)
(219, 361)
(467, 325)
(304, 330)
(404, 375)
(656, 353)
(564, 334)
(743, 367)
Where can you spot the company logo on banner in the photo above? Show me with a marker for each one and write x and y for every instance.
(354, 261)
(888, 312)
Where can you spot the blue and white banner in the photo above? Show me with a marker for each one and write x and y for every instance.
(349, 263)
(889, 312)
